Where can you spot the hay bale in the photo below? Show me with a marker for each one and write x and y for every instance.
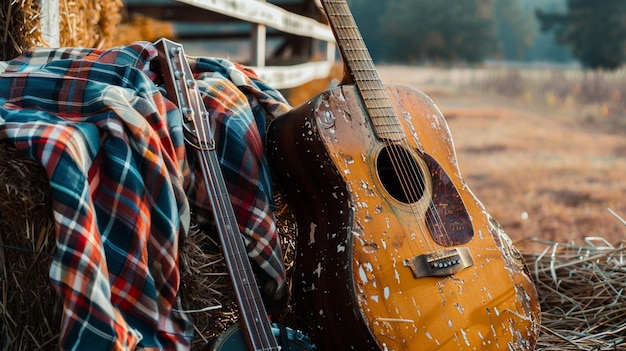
(19, 21)
(29, 307)
(88, 23)
(582, 289)
(102, 24)
(83, 23)
(140, 27)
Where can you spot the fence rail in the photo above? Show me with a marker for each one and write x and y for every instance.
(263, 14)
(260, 14)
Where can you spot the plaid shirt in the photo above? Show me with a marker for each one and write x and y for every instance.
(113, 149)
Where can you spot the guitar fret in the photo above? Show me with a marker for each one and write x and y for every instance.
(368, 83)
(362, 64)
(365, 70)
(352, 46)
(372, 88)
(381, 118)
(376, 96)
(369, 92)
(367, 76)
(382, 112)
(375, 105)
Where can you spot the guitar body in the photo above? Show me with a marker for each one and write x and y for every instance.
(364, 276)
(233, 339)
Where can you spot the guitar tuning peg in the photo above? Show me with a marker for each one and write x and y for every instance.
(187, 111)
(174, 51)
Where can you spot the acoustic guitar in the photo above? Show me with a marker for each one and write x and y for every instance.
(394, 252)
(254, 332)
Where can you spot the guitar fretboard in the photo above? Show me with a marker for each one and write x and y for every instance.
(361, 68)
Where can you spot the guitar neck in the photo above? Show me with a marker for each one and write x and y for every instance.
(362, 71)
(183, 92)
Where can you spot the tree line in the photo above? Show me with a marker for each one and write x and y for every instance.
(592, 32)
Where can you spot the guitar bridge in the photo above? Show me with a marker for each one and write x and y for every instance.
(440, 264)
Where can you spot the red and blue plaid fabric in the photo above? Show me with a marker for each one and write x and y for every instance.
(113, 149)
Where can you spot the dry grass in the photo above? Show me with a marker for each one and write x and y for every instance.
(594, 96)
(18, 27)
(542, 177)
(582, 292)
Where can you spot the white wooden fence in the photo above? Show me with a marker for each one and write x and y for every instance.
(262, 15)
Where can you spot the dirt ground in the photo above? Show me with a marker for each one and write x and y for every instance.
(542, 172)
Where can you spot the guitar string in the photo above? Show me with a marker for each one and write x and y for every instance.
(406, 172)
(222, 209)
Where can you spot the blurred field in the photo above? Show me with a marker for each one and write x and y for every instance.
(544, 150)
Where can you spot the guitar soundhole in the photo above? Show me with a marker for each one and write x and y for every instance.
(400, 174)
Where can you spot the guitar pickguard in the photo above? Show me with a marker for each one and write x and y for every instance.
(448, 220)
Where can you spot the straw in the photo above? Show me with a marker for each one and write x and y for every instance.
(582, 294)
(19, 25)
